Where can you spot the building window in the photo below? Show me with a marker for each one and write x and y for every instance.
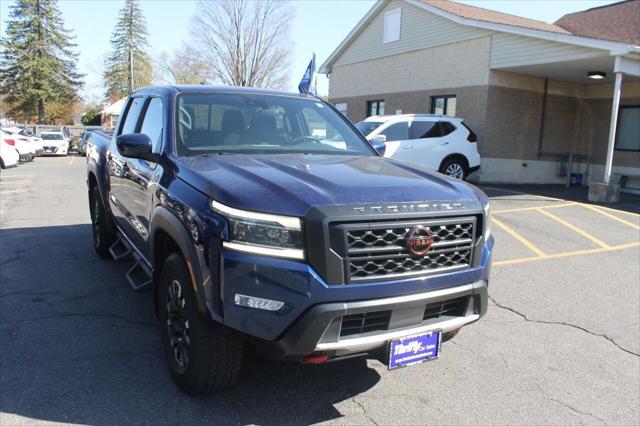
(628, 132)
(342, 107)
(444, 105)
(392, 21)
(375, 107)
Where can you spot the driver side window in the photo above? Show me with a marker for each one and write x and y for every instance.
(152, 124)
(131, 117)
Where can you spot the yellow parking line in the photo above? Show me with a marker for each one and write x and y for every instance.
(524, 209)
(12, 191)
(566, 254)
(508, 191)
(15, 182)
(72, 160)
(614, 210)
(560, 199)
(575, 229)
(604, 213)
(520, 238)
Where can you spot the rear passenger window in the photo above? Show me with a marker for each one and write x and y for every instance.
(396, 132)
(447, 128)
(425, 130)
(131, 119)
(152, 124)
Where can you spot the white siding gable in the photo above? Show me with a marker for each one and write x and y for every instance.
(418, 30)
(510, 50)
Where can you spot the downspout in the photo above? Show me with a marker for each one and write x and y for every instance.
(542, 115)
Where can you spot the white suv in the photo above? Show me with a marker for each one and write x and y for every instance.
(437, 142)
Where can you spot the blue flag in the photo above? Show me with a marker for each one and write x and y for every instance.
(307, 84)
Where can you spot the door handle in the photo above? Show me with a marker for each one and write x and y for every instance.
(444, 143)
(407, 147)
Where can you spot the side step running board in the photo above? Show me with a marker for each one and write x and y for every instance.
(139, 276)
(120, 250)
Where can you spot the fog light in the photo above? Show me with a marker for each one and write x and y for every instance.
(257, 302)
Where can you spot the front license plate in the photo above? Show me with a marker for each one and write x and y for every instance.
(414, 349)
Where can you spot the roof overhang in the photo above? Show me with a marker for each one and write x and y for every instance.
(577, 70)
(613, 47)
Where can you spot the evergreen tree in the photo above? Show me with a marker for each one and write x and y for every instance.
(129, 44)
(37, 64)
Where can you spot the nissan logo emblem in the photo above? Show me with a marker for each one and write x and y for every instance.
(419, 240)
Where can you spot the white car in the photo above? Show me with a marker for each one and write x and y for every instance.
(25, 135)
(437, 142)
(26, 150)
(9, 156)
(54, 143)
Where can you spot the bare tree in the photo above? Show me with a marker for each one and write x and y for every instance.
(243, 42)
(184, 66)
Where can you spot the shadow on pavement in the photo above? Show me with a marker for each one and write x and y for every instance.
(628, 202)
(78, 345)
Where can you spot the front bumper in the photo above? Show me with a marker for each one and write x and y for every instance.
(318, 330)
(54, 150)
(311, 318)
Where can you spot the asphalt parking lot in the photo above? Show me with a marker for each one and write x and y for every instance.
(559, 345)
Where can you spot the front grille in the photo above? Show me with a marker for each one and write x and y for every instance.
(378, 250)
(365, 323)
(453, 308)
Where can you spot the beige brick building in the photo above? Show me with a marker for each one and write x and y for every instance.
(526, 87)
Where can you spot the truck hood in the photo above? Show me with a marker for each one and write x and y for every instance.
(290, 184)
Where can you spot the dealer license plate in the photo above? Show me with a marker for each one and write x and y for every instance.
(414, 349)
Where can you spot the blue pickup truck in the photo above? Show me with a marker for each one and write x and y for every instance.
(265, 218)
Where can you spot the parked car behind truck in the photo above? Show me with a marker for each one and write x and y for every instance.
(437, 142)
(55, 143)
(251, 226)
(9, 156)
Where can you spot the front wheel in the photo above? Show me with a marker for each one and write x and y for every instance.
(202, 356)
(455, 168)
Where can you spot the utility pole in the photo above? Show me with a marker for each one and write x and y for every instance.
(130, 66)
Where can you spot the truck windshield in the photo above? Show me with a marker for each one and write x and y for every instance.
(256, 123)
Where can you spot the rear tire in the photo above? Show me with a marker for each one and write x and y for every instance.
(103, 237)
(455, 167)
(201, 355)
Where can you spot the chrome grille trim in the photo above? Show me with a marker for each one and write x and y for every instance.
(376, 250)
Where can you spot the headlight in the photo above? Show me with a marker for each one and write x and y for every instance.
(487, 221)
(262, 233)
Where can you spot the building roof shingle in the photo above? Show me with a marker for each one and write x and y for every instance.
(616, 22)
(480, 14)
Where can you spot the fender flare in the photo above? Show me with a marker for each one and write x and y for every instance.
(94, 169)
(164, 220)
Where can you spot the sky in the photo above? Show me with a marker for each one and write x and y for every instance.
(319, 26)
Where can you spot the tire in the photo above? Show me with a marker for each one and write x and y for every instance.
(455, 167)
(204, 358)
(103, 237)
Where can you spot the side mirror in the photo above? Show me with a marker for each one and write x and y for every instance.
(378, 143)
(136, 145)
